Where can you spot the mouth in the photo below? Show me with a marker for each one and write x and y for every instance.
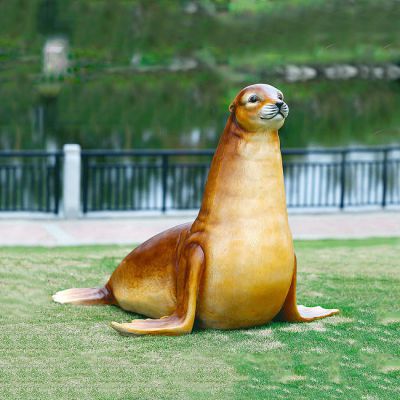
(278, 114)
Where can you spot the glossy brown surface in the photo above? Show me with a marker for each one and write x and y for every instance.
(235, 265)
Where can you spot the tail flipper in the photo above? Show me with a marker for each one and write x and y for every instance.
(87, 296)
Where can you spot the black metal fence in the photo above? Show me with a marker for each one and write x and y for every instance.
(349, 177)
(30, 181)
(144, 180)
(175, 179)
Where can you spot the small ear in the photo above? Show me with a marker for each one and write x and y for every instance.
(232, 107)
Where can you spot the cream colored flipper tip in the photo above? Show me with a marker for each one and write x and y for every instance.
(312, 313)
(115, 325)
(123, 329)
(58, 298)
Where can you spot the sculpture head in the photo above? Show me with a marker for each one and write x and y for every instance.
(259, 107)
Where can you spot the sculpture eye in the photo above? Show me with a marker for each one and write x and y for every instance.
(253, 99)
(280, 96)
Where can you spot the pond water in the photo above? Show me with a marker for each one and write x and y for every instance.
(189, 111)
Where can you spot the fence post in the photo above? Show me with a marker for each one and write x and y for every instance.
(85, 183)
(342, 180)
(72, 180)
(164, 182)
(384, 177)
(57, 178)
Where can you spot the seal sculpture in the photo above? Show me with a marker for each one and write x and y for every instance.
(235, 266)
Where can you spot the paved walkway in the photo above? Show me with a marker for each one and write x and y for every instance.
(136, 229)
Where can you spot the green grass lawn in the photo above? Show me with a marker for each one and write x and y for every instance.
(55, 351)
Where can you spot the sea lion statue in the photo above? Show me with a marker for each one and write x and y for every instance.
(235, 266)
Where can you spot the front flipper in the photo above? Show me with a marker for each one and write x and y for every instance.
(191, 267)
(291, 312)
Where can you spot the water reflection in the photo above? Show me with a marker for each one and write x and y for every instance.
(190, 111)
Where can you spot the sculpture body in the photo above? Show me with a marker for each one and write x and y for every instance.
(235, 265)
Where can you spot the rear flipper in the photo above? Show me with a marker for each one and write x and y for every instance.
(87, 296)
(291, 312)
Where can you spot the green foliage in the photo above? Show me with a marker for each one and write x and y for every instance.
(104, 103)
(58, 351)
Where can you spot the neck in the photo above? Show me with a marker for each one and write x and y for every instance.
(246, 176)
(268, 137)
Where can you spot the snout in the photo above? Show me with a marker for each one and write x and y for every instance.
(275, 110)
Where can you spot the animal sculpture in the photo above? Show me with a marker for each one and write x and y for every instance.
(235, 265)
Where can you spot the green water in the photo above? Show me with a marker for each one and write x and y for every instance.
(190, 110)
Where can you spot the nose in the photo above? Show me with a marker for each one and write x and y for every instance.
(279, 104)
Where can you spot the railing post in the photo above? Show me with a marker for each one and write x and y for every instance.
(72, 180)
(342, 179)
(384, 177)
(85, 182)
(57, 179)
(164, 182)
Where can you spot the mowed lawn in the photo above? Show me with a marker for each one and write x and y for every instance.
(53, 351)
